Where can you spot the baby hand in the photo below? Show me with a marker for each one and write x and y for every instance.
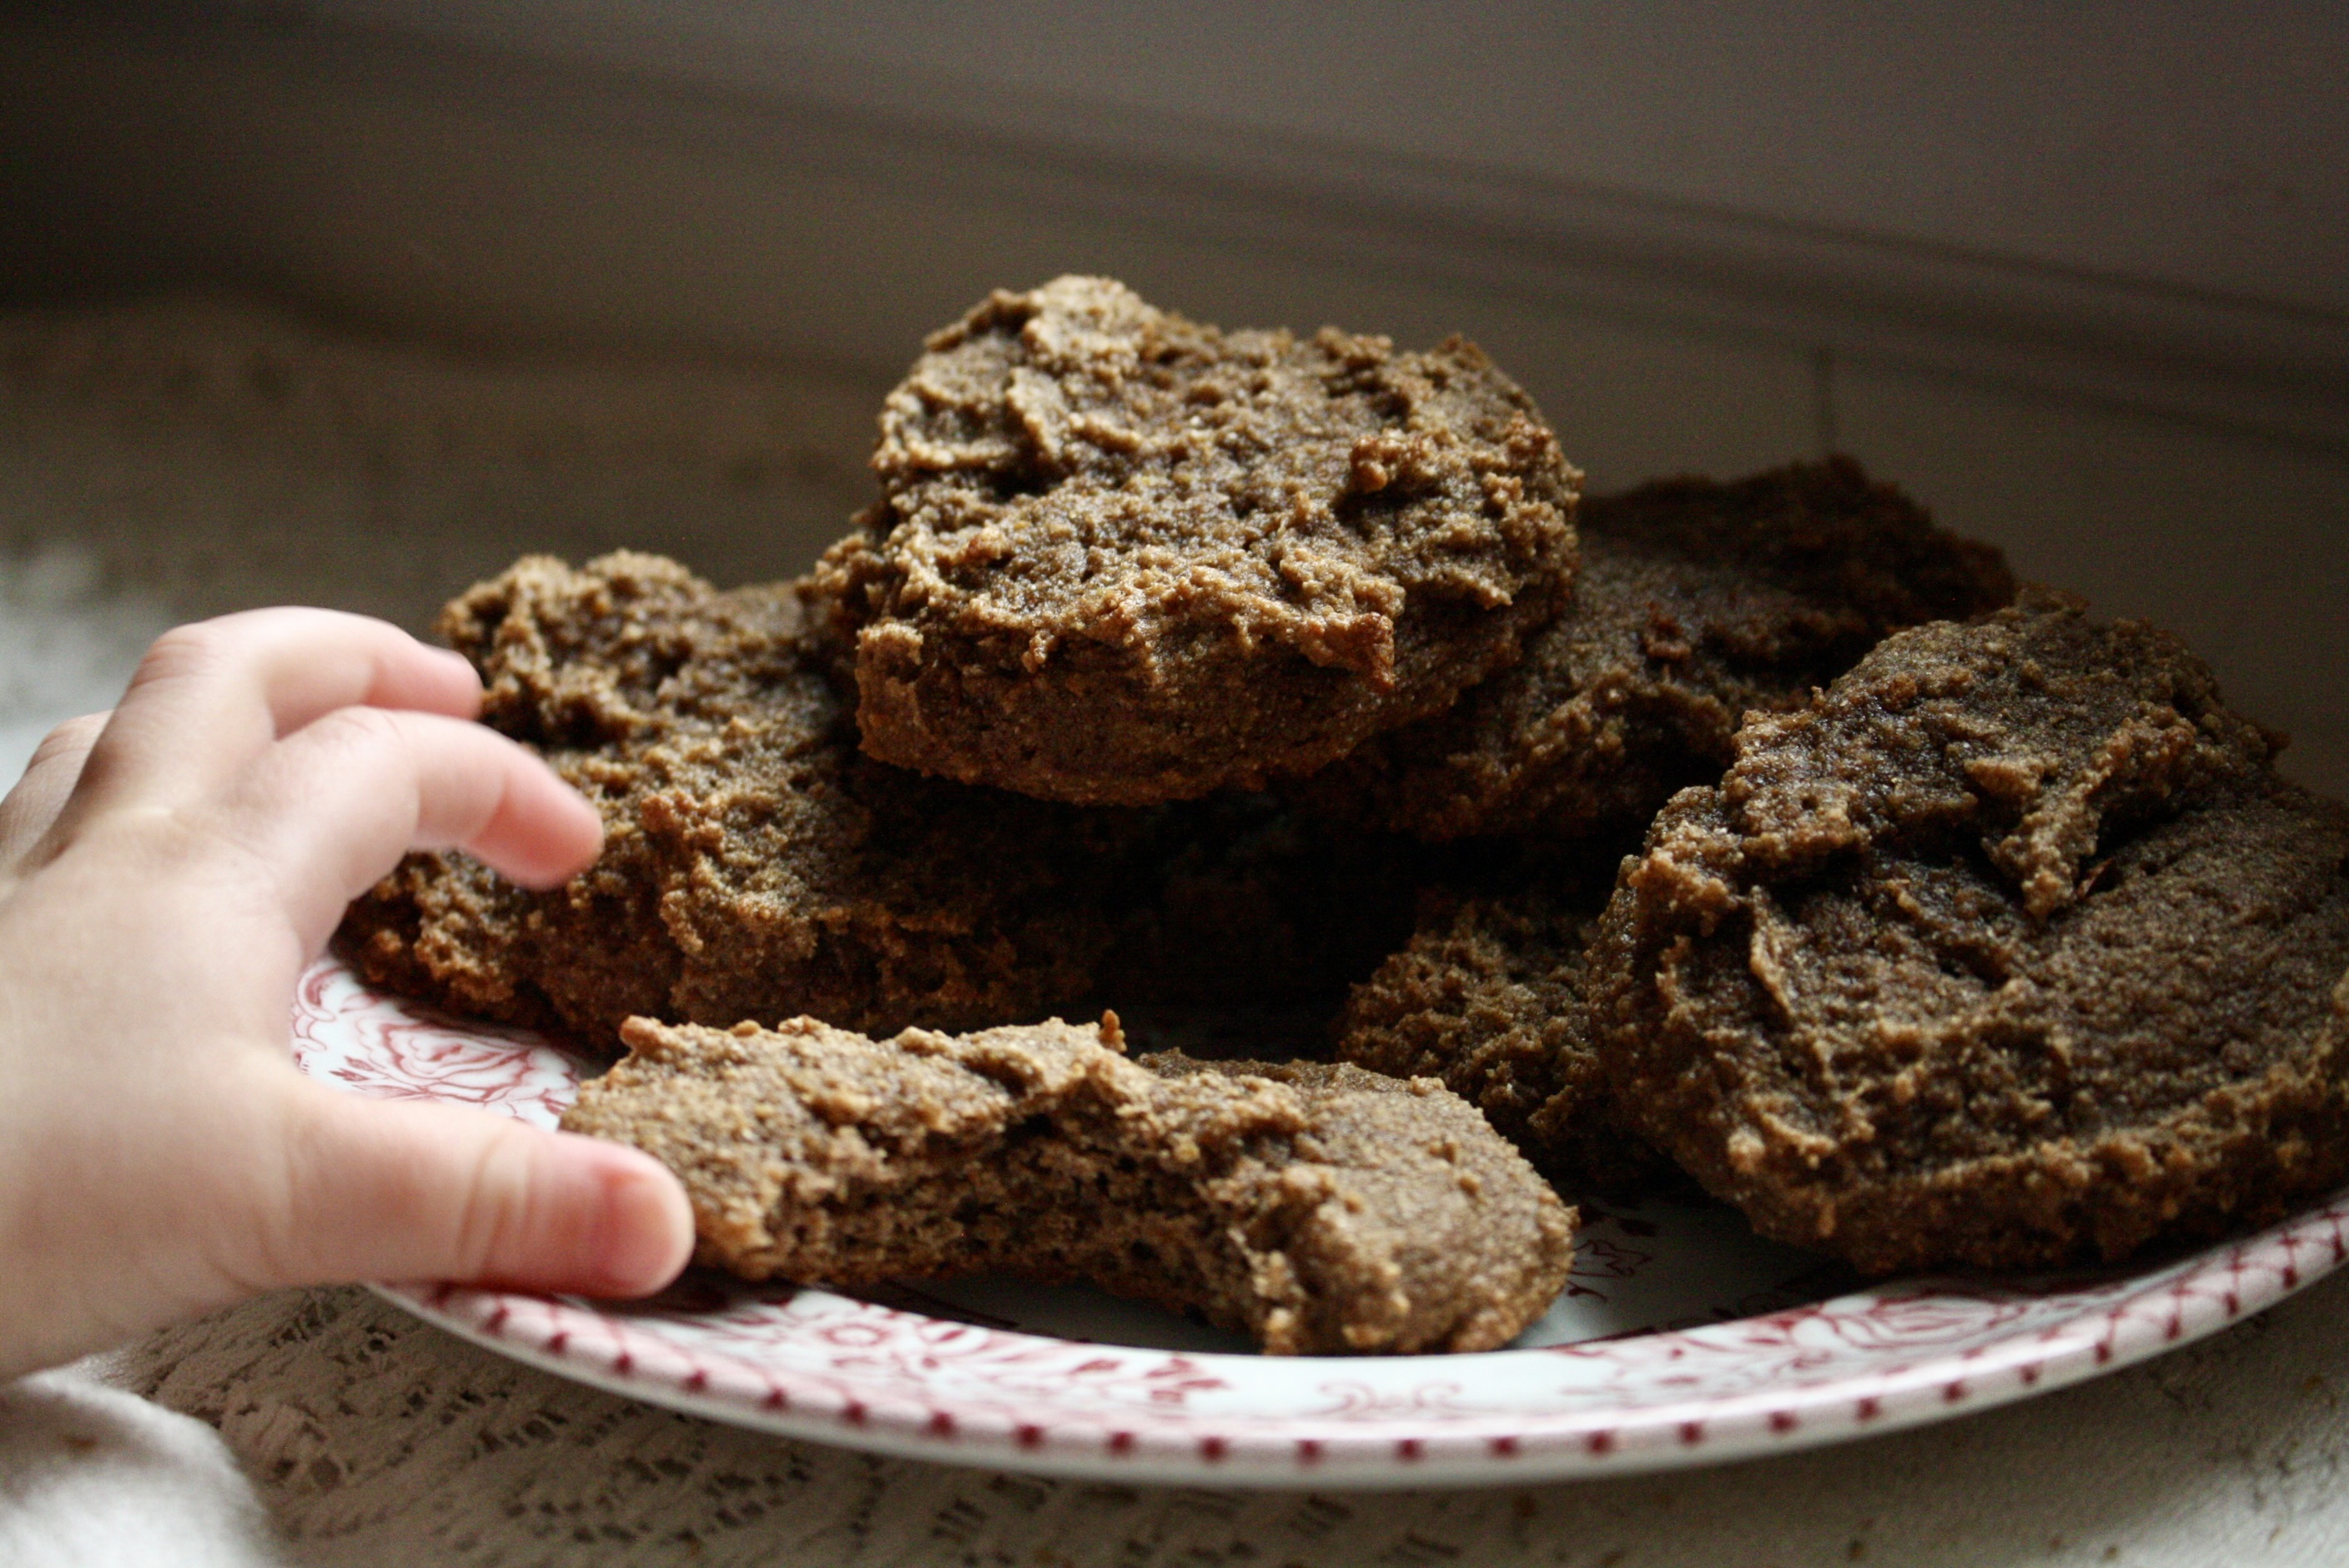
(166, 872)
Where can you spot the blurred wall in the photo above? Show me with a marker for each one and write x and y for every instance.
(2199, 145)
(2072, 276)
(2040, 200)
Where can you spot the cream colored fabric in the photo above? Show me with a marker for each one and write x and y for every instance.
(370, 1437)
(92, 1476)
(157, 462)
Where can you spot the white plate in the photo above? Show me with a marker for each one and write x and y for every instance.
(1682, 1339)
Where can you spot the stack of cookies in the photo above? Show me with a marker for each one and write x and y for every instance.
(1282, 698)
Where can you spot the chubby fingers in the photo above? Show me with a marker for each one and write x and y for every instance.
(49, 778)
(331, 807)
(400, 1190)
(210, 697)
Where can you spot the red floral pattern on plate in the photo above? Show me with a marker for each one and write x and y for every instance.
(1729, 1383)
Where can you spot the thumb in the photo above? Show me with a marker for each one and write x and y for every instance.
(405, 1190)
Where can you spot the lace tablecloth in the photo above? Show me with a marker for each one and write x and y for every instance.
(327, 1428)
(159, 462)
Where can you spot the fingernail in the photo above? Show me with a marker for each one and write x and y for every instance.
(643, 1232)
(459, 663)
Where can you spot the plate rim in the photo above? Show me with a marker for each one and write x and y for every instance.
(2172, 1304)
(1498, 1449)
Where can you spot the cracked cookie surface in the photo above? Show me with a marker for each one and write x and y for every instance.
(2009, 949)
(1321, 1210)
(1491, 997)
(1695, 602)
(755, 865)
(1123, 557)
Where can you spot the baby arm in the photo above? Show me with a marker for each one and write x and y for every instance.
(166, 872)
